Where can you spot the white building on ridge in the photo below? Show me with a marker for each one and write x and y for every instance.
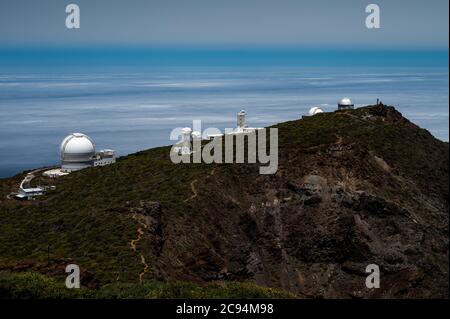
(105, 157)
(186, 143)
(29, 193)
(345, 104)
(77, 151)
(315, 110)
(241, 127)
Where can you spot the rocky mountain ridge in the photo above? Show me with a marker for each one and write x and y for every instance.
(353, 188)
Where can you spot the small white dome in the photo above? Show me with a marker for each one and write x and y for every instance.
(196, 135)
(242, 112)
(79, 145)
(315, 110)
(186, 130)
(345, 102)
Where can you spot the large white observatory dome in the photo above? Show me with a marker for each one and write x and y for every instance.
(315, 110)
(345, 103)
(77, 151)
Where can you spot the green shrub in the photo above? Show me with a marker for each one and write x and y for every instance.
(32, 285)
(216, 290)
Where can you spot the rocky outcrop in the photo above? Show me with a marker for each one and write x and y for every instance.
(329, 212)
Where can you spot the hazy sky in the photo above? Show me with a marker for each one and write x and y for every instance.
(226, 23)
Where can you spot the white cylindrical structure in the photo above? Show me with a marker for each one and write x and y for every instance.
(241, 120)
(77, 151)
(186, 143)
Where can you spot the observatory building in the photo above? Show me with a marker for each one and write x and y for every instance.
(77, 151)
(105, 157)
(315, 110)
(241, 122)
(241, 126)
(345, 104)
(186, 144)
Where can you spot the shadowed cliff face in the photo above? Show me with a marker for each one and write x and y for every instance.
(353, 188)
(345, 196)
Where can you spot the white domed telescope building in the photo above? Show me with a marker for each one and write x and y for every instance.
(77, 151)
(345, 104)
(315, 110)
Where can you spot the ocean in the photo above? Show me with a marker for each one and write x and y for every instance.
(130, 103)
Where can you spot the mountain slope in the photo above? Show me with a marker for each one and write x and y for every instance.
(353, 188)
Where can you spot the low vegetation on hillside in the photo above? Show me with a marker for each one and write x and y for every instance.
(352, 188)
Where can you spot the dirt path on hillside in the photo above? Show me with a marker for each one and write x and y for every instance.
(133, 244)
(194, 189)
